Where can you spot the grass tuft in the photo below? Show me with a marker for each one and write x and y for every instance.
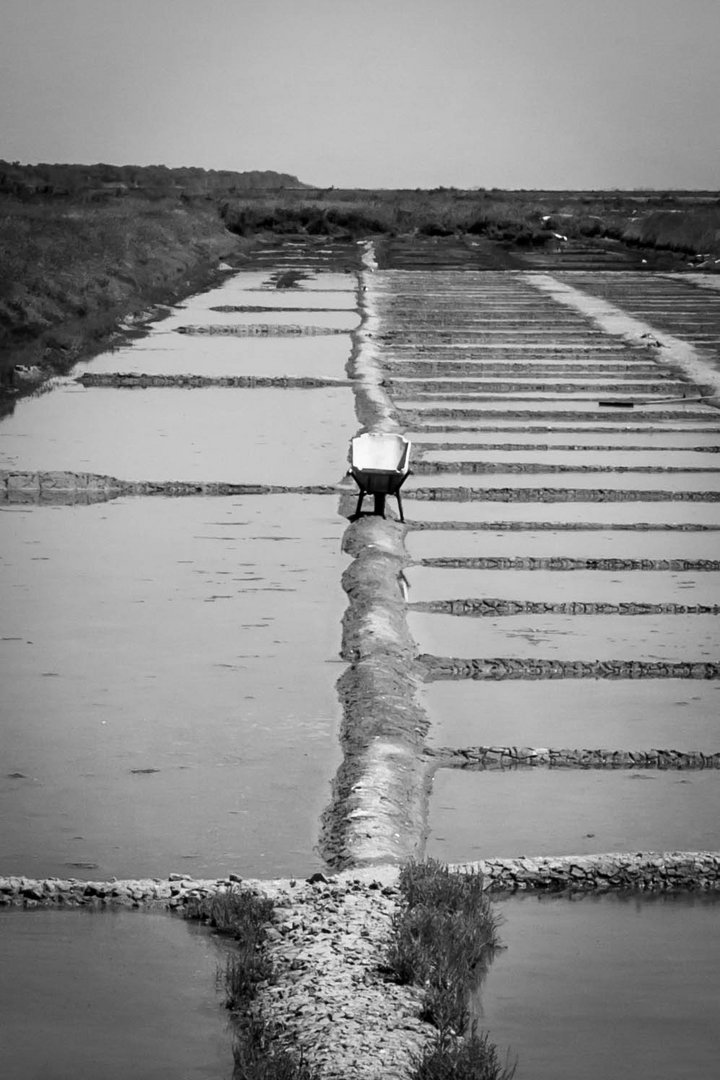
(444, 936)
(257, 1053)
(475, 1058)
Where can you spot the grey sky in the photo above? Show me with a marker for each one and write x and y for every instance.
(371, 93)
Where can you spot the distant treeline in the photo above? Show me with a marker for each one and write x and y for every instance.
(100, 182)
(685, 221)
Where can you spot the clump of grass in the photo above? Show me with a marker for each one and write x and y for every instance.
(444, 936)
(257, 1055)
(475, 1058)
(244, 916)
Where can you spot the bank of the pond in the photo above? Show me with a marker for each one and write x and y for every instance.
(95, 292)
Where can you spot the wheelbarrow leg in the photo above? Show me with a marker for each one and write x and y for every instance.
(361, 496)
(380, 503)
(400, 509)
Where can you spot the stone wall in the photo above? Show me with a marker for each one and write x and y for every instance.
(695, 871)
(174, 892)
(507, 757)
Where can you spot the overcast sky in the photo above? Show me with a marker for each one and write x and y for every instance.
(371, 93)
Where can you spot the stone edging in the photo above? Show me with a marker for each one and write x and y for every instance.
(695, 871)
(64, 487)
(505, 757)
(497, 668)
(260, 330)
(120, 380)
(485, 607)
(172, 893)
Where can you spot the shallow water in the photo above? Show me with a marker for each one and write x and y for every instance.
(622, 544)
(625, 715)
(606, 986)
(557, 404)
(586, 437)
(186, 354)
(240, 436)
(677, 638)
(539, 811)
(111, 995)
(599, 481)
(559, 586)
(163, 351)
(626, 459)
(700, 513)
(168, 685)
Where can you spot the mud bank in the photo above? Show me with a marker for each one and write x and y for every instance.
(132, 381)
(66, 321)
(378, 798)
(378, 794)
(64, 487)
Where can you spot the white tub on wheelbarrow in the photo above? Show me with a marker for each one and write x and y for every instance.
(379, 465)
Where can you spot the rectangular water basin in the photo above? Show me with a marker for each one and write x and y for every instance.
(599, 481)
(630, 513)
(677, 638)
(168, 672)
(590, 713)
(608, 456)
(535, 811)
(111, 994)
(603, 986)
(571, 586)
(618, 544)
(258, 436)
(606, 440)
(168, 353)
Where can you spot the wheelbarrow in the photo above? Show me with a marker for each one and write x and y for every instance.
(379, 465)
